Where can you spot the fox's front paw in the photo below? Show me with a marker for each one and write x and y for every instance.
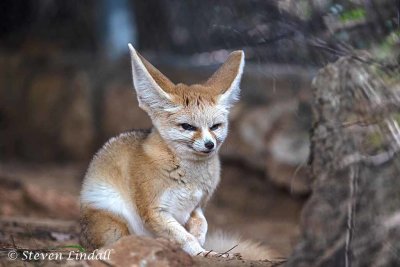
(201, 238)
(207, 253)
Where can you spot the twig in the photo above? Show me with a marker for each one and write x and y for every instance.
(374, 160)
(15, 246)
(351, 213)
(235, 246)
(227, 252)
(322, 44)
(208, 253)
(13, 241)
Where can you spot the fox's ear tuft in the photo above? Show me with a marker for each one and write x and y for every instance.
(151, 86)
(226, 79)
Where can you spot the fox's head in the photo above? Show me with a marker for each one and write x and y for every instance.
(192, 119)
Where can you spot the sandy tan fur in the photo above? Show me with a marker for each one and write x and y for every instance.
(157, 182)
(140, 167)
(97, 221)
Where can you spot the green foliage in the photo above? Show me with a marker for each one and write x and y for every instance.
(387, 49)
(396, 117)
(393, 38)
(353, 15)
(376, 140)
(79, 247)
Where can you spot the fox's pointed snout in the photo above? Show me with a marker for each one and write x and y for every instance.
(209, 145)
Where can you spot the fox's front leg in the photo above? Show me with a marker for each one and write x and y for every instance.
(197, 225)
(163, 224)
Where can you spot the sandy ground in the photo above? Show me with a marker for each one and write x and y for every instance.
(245, 203)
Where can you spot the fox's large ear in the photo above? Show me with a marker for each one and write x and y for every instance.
(226, 79)
(151, 85)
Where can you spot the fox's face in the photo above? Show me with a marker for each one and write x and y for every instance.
(195, 130)
(193, 120)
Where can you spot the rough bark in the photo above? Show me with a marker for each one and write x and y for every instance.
(352, 217)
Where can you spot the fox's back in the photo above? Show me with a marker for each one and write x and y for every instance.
(115, 157)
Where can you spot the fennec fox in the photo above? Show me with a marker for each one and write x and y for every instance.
(156, 183)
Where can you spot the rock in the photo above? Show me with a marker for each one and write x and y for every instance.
(144, 251)
(77, 133)
(10, 196)
(300, 9)
(18, 199)
(288, 147)
(45, 111)
(286, 162)
(275, 139)
(56, 204)
(121, 111)
(352, 216)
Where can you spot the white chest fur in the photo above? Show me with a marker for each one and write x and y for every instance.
(198, 182)
(180, 202)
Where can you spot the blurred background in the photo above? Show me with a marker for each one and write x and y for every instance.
(65, 88)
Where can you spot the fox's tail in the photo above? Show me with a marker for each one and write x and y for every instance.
(219, 241)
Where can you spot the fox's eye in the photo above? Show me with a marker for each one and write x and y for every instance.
(215, 126)
(188, 127)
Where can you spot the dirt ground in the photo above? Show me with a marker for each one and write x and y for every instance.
(48, 195)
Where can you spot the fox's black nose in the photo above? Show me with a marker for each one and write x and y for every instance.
(209, 145)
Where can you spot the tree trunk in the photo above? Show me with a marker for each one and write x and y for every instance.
(353, 215)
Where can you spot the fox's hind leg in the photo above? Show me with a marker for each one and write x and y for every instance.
(100, 228)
